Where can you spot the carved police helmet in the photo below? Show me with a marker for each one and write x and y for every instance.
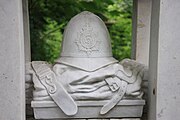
(86, 43)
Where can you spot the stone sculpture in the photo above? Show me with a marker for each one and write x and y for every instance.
(86, 73)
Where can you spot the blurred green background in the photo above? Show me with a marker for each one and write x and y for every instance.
(49, 17)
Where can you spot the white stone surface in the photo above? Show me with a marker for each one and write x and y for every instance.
(12, 95)
(27, 44)
(165, 61)
(141, 39)
(141, 30)
(28, 82)
(85, 89)
(89, 109)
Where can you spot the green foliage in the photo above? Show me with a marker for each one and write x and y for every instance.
(49, 17)
(120, 30)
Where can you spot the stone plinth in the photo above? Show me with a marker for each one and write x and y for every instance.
(89, 109)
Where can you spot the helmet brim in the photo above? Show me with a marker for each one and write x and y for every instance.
(87, 64)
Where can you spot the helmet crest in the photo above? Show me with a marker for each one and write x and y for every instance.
(87, 40)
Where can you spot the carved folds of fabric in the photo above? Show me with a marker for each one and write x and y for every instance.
(101, 84)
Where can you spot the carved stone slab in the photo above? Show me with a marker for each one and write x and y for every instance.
(89, 109)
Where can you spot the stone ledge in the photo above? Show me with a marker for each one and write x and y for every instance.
(89, 109)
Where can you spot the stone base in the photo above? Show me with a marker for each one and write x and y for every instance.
(89, 109)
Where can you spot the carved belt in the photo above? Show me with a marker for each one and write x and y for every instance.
(114, 84)
(57, 92)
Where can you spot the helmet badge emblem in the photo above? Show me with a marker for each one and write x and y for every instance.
(87, 40)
